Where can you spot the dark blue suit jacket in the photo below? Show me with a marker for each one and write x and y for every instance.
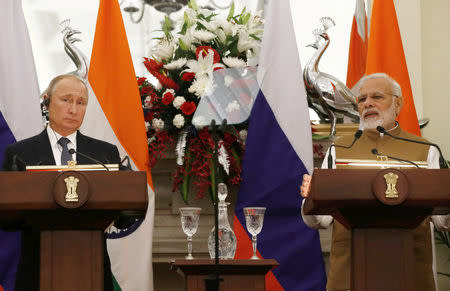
(37, 150)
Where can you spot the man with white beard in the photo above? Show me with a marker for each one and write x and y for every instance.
(379, 103)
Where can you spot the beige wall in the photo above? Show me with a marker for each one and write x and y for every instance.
(436, 71)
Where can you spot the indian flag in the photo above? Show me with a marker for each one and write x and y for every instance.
(385, 54)
(114, 114)
(357, 52)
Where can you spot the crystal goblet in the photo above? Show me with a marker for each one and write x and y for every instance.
(189, 224)
(254, 218)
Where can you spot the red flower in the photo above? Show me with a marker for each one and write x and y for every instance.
(229, 138)
(153, 65)
(147, 90)
(188, 107)
(188, 76)
(141, 81)
(204, 50)
(149, 116)
(166, 81)
(167, 98)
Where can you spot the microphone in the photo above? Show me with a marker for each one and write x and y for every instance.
(73, 151)
(375, 152)
(358, 134)
(127, 165)
(15, 166)
(442, 162)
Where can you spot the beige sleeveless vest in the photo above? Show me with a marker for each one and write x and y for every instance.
(339, 275)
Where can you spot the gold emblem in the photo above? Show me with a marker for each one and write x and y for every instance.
(71, 164)
(391, 182)
(71, 184)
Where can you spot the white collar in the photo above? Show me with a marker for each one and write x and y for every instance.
(53, 136)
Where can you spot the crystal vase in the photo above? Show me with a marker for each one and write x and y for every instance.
(227, 238)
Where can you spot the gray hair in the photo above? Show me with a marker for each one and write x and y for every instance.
(395, 86)
(54, 81)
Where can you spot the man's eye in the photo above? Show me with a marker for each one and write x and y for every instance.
(377, 97)
(361, 100)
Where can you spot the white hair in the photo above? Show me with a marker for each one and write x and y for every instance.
(397, 90)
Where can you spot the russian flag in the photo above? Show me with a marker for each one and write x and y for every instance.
(278, 153)
(20, 114)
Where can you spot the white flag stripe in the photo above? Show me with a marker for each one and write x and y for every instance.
(19, 90)
(280, 63)
(129, 250)
(360, 16)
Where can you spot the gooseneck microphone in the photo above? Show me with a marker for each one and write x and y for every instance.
(442, 162)
(375, 152)
(73, 151)
(358, 134)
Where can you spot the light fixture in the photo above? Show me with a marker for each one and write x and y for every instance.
(165, 6)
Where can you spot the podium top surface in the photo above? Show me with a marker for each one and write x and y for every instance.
(349, 188)
(116, 190)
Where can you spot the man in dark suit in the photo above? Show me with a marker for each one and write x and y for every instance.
(66, 99)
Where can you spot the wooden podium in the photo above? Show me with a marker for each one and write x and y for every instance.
(237, 275)
(72, 209)
(380, 209)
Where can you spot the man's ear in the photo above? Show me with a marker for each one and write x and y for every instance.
(398, 104)
(46, 100)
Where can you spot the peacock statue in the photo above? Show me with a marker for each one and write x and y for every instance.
(327, 96)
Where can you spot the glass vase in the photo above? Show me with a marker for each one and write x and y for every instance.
(227, 238)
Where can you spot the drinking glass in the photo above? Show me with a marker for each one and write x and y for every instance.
(189, 224)
(254, 217)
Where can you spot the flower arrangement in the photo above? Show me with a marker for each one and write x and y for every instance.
(183, 62)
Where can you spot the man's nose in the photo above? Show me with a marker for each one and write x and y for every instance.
(369, 102)
(73, 107)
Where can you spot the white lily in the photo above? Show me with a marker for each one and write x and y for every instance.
(245, 42)
(225, 26)
(205, 12)
(187, 38)
(255, 24)
(211, 25)
(203, 66)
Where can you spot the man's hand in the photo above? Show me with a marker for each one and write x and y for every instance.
(305, 188)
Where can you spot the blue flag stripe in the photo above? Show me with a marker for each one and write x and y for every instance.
(271, 178)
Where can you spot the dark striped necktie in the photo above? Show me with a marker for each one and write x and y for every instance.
(65, 155)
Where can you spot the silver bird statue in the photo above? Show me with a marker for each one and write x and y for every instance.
(74, 53)
(327, 96)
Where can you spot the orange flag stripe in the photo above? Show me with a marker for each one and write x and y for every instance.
(385, 54)
(113, 80)
(357, 55)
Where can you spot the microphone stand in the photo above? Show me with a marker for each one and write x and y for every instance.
(442, 163)
(212, 282)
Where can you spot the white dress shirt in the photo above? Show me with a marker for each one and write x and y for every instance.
(53, 137)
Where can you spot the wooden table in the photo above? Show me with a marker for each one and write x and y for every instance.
(237, 275)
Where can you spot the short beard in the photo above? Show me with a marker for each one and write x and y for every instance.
(385, 118)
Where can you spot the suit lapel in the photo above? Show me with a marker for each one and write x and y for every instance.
(82, 147)
(44, 149)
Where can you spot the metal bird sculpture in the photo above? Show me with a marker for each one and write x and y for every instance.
(74, 53)
(327, 96)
